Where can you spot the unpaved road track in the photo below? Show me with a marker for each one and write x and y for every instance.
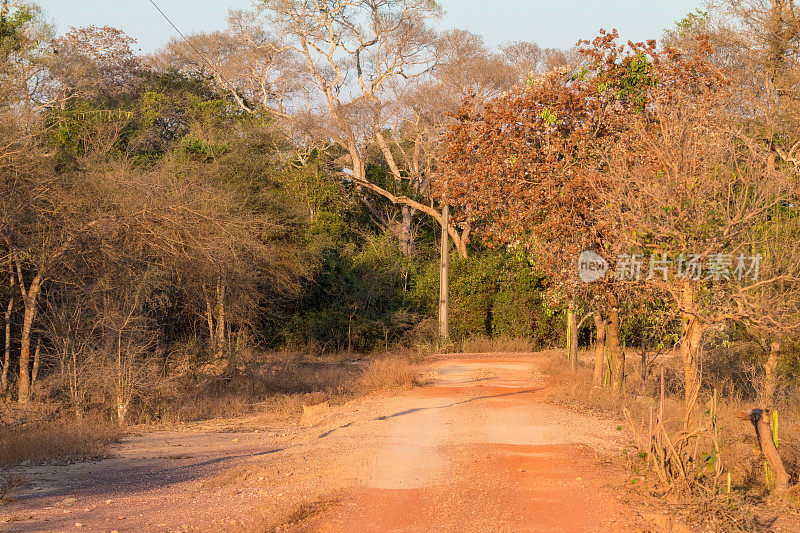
(472, 450)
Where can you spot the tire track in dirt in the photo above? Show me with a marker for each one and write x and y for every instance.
(486, 456)
(472, 450)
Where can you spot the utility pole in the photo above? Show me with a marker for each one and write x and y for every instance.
(444, 278)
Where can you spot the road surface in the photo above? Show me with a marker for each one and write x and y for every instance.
(472, 449)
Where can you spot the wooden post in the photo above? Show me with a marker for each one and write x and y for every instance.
(572, 337)
(444, 279)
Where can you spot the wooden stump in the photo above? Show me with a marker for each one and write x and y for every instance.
(315, 404)
(760, 420)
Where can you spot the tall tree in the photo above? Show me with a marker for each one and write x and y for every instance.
(522, 167)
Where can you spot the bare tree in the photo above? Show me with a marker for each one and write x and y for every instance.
(37, 247)
(9, 310)
(245, 61)
(71, 329)
(529, 60)
(95, 63)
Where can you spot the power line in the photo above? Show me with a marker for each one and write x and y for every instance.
(193, 47)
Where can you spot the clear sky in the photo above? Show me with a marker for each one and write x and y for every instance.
(557, 23)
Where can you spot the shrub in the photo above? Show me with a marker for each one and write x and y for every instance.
(391, 373)
(65, 439)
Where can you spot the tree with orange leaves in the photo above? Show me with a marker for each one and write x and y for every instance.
(635, 154)
(522, 170)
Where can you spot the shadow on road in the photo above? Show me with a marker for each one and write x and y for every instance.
(419, 409)
(124, 476)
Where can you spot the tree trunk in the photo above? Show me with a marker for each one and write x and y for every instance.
(691, 336)
(404, 230)
(461, 245)
(123, 382)
(444, 280)
(29, 299)
(221, 348)
(231, 350)
(35, 370)
(769, 375)
(599, 349)
(122, 412)
(350, 332)
(617, 355)
(25, 351)
(7, 353)
(210, 319)
(760, 420)
(572, 337)
(643, 373)
(408, 245)
(74, 395)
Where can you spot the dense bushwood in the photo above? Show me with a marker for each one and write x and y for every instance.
(164, 216)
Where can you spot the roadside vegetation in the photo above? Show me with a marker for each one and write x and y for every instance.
(749, 504)
(220, 228)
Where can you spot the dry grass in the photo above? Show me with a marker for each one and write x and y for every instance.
(273, 385)
(575, 389)
(9, 483)
(303, 513)
(738, 446)
(59, 440)
(748, 507)
(277, 407)
(384, 374)
(498, 344)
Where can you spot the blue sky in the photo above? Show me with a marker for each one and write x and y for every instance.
(558, 23)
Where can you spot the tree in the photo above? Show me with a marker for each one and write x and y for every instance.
(690, 193)
(95, 63)
(342, 65)
(615, 159)
(529, 60)
(521, 168)
(244, 61)
(361, 46)
(44, 219)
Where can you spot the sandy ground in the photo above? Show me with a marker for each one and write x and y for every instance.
(472, 450)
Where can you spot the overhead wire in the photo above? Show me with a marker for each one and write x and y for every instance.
(193, 47)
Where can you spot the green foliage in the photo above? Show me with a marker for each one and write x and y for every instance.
(12, 26)
(494, 293)
(688, 24)
(632, 86)
(548, 116)
(355, 299)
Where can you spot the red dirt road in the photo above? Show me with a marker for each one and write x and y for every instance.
(490, 462)
(474, 449)
(506, 488)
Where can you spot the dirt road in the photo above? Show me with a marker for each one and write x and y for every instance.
(472, 450)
